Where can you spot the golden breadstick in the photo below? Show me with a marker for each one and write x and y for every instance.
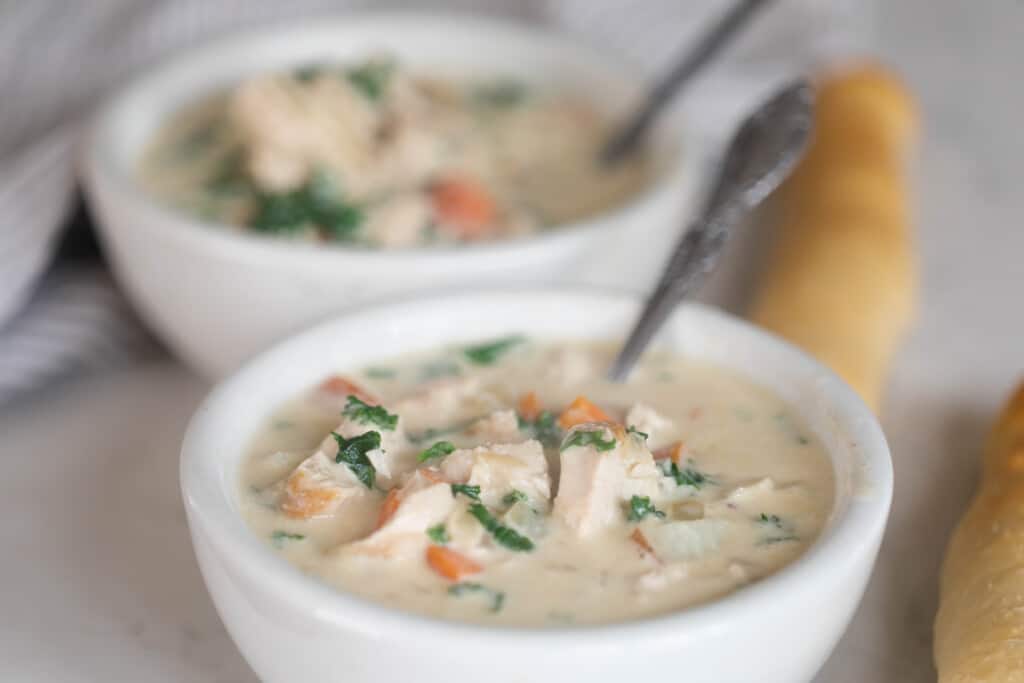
(840, 282)
(979, 631)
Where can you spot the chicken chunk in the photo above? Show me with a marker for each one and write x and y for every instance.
(291, 128)
(500, 426)
(567, 366)
(649, 421)
(599, 474)
(687, 540)
(446, 401)
(318, 487)
(404, 533)
(499, 469)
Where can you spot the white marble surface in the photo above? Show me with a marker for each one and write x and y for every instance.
(98, 578)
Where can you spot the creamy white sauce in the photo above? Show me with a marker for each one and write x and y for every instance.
(750, 490)
(370, 153)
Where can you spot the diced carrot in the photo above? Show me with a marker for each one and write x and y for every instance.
(450, 564)
(389, 507)
(464, 205)
(529, 406)
(340, 386)
(672, 451)
(638, 537)
(579, 411)
(302, 500)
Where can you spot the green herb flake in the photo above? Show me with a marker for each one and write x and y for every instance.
(364, 413)
(438, 534)
(279, 538)
(501, 94)
(438, 450)
(308, 73)
(317, 203)
(515, 496)
(371, 78)
(631, 429)
(466, 490)
(439, 368)
(502, 534)
(353, 452)
(640, 507)
(773, 520)
(589, 438)
(688, 476)
(772, 540)
(545, 428)
(380, 373)
(469, 588)
(489, 353)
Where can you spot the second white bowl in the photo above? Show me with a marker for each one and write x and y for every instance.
(217, 296)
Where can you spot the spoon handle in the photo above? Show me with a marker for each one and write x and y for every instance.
(626, 139)
(691, 260)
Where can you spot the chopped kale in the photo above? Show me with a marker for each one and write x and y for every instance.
(317, 203)
(353, 452)
(545, 428)
(439, 368)
(490, 352)
(438, 534)
(640, 507)
(308, 72)
(466, 490)
(278, 538)
(438, 450)
(772, 540)
(469, 587)
(514, 497)
(500, 94)
(502, 534)
(631, 429)
(688, 476)
(371, 78)
(589, 438)
(364, 413)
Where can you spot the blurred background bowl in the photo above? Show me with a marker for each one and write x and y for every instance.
(216, 296)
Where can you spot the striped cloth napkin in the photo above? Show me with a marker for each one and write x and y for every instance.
(61, 312)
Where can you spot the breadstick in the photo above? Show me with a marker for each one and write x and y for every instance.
(840, 281)
(979, 630)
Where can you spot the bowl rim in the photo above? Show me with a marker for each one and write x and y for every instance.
(677, 176)
(849, 538)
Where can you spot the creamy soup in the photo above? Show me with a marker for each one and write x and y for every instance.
(509, 483)
(370, 153)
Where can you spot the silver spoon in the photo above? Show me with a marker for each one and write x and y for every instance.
(761, 155)
(627, 137)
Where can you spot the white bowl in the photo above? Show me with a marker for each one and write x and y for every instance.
(217, 296)
(292, 627)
